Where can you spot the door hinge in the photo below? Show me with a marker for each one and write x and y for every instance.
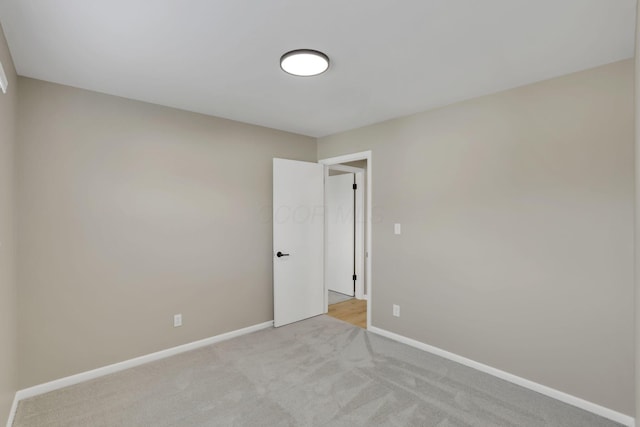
(355, 277)
(355, 186)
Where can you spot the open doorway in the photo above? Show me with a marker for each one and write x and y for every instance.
(344, 272)
(347, 238)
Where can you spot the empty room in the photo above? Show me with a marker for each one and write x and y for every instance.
(328, 213)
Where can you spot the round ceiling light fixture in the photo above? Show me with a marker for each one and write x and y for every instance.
(304, 62)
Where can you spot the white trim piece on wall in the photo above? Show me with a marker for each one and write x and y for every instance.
(522, 382)
(4, 83)
(12, 412)
(121, 366)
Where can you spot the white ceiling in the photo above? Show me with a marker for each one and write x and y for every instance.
(389, 58)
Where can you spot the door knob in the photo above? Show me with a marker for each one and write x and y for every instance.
(280, 254)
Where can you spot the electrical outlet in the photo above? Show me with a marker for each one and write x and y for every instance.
(397, 229)
(177, 320)
(396, 310)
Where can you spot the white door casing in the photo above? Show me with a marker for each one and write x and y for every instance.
(298, 230)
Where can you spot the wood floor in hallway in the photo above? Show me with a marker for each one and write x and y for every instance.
(353, 311)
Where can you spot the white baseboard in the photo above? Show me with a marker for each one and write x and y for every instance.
(120, 366)
(12, 412)
(542, 389)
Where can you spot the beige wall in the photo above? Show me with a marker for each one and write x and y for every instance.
(130, 213)
(517, 222)
(8, 316)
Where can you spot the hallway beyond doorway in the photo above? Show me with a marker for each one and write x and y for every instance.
(352, 311)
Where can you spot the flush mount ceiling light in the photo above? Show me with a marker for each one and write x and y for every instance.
(304, 62)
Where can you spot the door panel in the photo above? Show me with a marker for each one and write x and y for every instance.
(298, 234)
(340, 233)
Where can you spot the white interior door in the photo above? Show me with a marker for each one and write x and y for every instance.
(340, 233)
(298, 238)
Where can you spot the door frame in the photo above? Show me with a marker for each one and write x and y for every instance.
(363, 155)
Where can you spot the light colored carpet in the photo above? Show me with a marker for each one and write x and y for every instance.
(336, 297)
(318, 372)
